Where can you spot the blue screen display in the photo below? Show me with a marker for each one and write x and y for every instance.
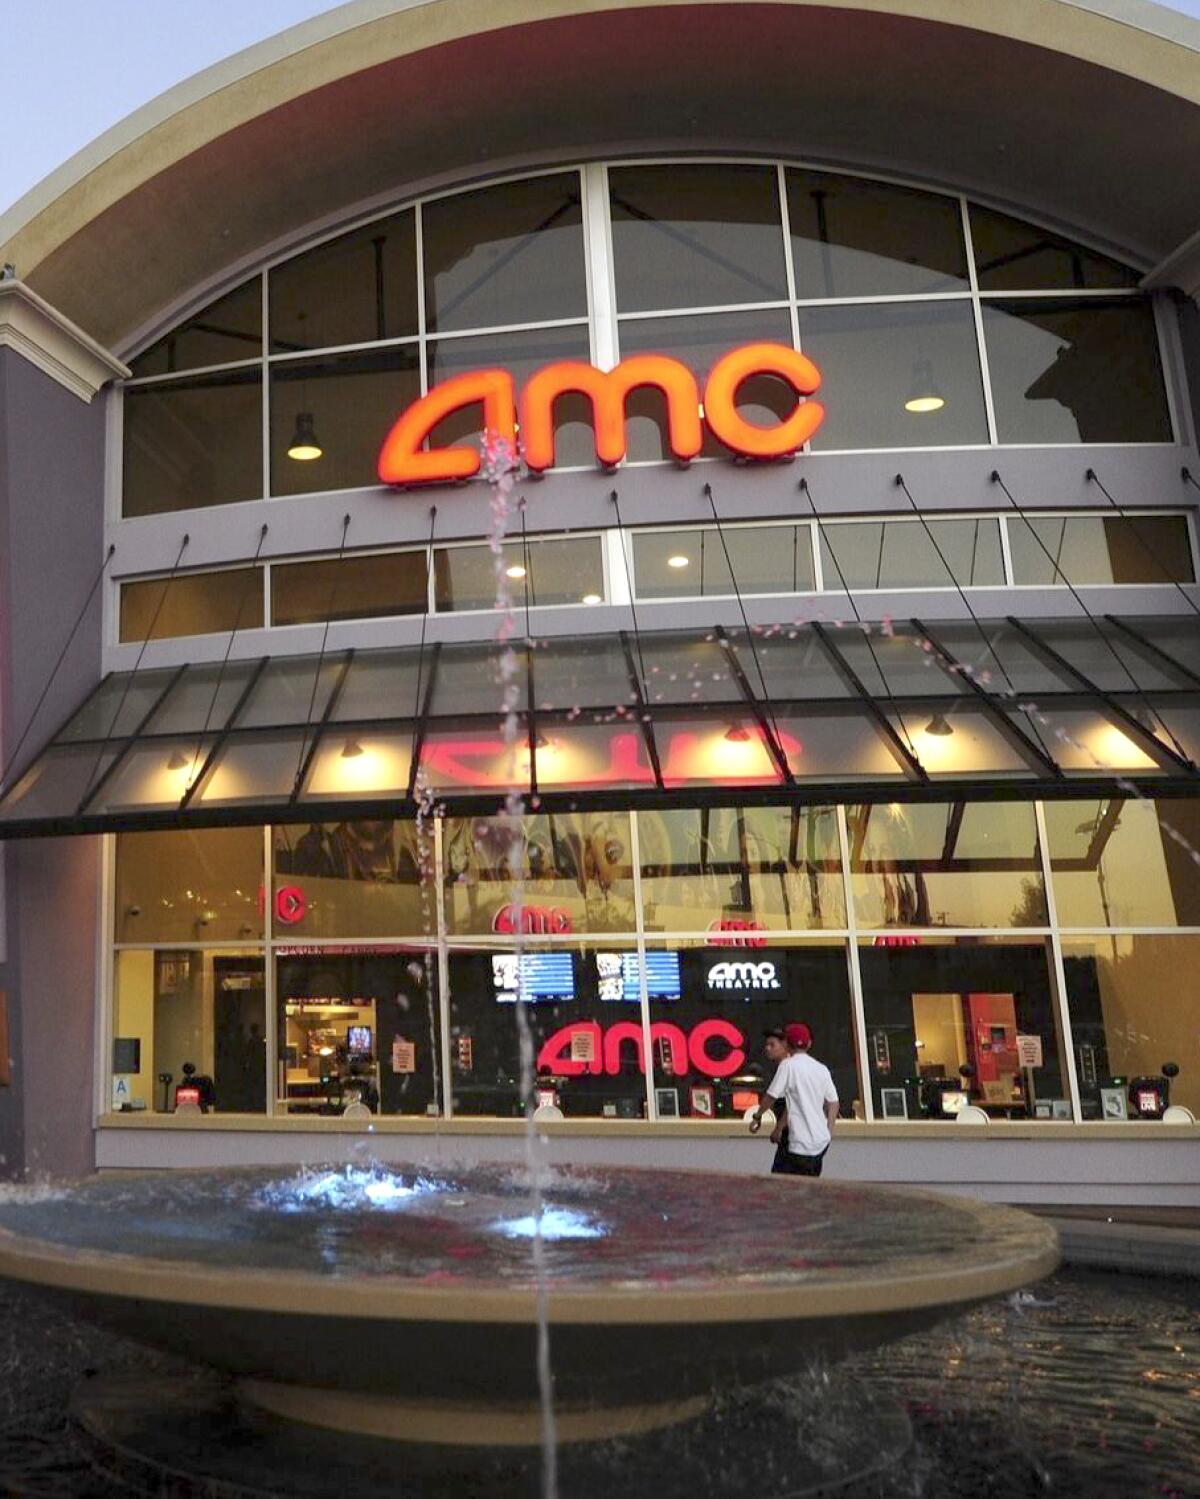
(546, 976)
(619, 976)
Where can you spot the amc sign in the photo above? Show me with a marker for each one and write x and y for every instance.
(742, 977)
(405, 459)
(714, 1048)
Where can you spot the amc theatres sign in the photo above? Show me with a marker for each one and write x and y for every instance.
(404, 459)
(741, 977)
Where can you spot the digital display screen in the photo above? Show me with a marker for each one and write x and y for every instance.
(619, 975)
(953, 1103)
(744, 1099)
(542, 977)
(358, 1040)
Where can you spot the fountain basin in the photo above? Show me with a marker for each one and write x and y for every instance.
(405, 1304)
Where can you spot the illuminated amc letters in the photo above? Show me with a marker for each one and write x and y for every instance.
(714, 1048)
(405, 460)
(743, 976)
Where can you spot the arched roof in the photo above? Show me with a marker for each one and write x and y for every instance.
(1087, 114)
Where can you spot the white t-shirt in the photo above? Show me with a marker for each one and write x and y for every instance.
(806, 1086)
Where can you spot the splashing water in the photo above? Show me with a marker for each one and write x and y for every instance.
(351, 1188)
(500, 468)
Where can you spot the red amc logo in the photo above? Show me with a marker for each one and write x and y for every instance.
(404, 459)
(543, 921)
(290, 904)
(736, 931)
(715, 1048)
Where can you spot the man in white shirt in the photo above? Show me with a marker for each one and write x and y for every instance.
(806, 1087)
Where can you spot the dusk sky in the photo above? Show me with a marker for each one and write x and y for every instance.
(73, 68)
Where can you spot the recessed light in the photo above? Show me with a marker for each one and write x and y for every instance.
(515, 571)
(678, 560)
(591, 598)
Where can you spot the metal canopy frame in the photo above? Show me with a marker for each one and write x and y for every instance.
(715, 653)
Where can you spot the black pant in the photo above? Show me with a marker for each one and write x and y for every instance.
(787, 1164)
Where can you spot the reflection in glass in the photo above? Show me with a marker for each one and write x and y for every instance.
(189, 886)
(972, 864)
(690, 235)
(193, 442)
(566, 571)
(1124, 863)
(520, 354)
(1065, 372)
(841, 744)
(504, 255)
(1011, 255)
(943, 1015)
(56, 783)
(200, 1008)
(699, 342)
(707, 1039)
(193, 604)
(901, 554)
(741, 869)
(225, 332)
(575, 871)
(693, 564)
(358, 288)
(352, 401)
(371, 587)
(855, 238)
(350, 879)
(1130, 1014)
(877, 360)
(1085, 741)
(1100, 549)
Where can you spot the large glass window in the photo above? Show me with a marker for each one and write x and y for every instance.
(189, 1025)
(357, 1026)
(586, 1051)
(505, 255)
(856, 238)
(943, 1015)
(567, 571)
(329, 417)
(690, 235)
(1133, 1010)
(1082, 549)
(193, 442)
(227, 331)
(358, 288)
(1064, 371)
(741, 870)
(1011, 255)
(349, 588)
(912, 554)
(692, 564)
(964, 864)
(352, 879)
(1122, 863)
(192, 604)
(710, 1005)
(574, 868)
(896, 375)
(189, 886)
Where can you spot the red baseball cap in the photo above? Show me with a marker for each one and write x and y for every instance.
(797, 1035)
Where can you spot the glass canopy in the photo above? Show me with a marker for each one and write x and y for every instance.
(810, 712)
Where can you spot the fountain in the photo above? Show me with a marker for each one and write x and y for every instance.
(359, 1315)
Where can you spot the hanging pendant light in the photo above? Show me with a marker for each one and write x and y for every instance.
(351, 749)
(923, 394)
(737, 733)
(305, 446)
(938, 727)
(178, 760)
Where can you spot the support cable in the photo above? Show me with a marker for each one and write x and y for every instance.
(116, 718)
(312, 698)
(637, 634)
(966, 602)
(1097, 628)
(737, 592)
(864, 625)
(54, 670)
(237, 624)
(424, 626)
(1094, 478)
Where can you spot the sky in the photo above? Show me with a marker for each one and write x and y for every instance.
(73, 68)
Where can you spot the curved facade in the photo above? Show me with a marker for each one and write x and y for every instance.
(856, 675)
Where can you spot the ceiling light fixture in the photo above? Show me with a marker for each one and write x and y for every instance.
(515, 571)
(737, 733)
(178, 760)
(923, 394)
(591, 598)
(305, 446)
(938, 727)
(351, 749)
(678, 560)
